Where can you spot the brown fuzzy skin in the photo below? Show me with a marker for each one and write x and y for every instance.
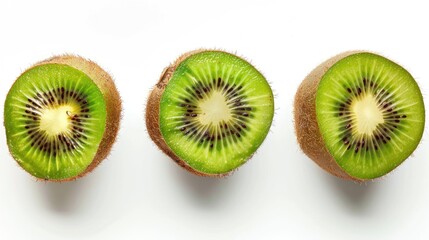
(113, 105)
(152, 115)
(306, 126)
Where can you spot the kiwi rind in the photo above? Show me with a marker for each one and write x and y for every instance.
(111, 97)
(306, 125)
(153, 116)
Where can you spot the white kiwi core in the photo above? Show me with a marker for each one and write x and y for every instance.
(214, 109)
(366, 114)
(56, 120)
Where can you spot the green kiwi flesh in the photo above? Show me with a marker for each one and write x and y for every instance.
(370, 114)
(55, 118)
(214, 112)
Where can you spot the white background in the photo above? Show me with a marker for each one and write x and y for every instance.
(138, 193)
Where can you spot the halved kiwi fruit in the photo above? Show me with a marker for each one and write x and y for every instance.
(359, 115)
(210, 111)
(61, 118)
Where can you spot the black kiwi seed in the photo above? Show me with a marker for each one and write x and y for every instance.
(47, 100)
(344, 112)
(199, 91)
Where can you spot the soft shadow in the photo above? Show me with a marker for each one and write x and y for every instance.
(355, 195)
(67, 197)
(206, 190)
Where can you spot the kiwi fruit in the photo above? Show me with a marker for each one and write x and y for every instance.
(210, 111)
(61, 118)
(359, 115)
